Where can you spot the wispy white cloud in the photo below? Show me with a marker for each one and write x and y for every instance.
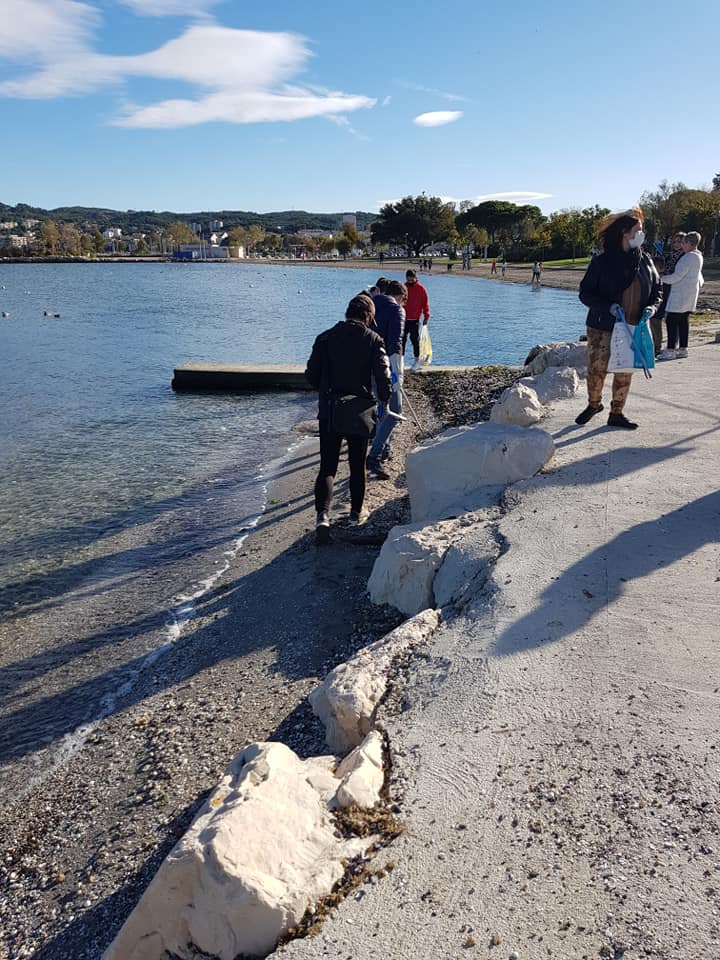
(434, 92)
(170, 8)
(437, 118)
(520, 197)
(513, 196)
(343, 122)
(239, 76)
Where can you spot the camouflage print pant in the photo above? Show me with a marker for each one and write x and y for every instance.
(598, 342)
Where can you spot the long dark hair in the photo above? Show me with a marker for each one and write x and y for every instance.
(612, 235)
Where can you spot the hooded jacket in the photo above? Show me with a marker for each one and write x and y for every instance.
(344, 360)
(605, 279)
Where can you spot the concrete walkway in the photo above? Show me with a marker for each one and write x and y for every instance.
(559, 754)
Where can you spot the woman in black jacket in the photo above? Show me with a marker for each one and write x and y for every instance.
(343, 362)
(622, 276)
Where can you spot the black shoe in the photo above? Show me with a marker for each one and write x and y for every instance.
(588, 413)
(322, 528)
(620, 420)
(377, 470)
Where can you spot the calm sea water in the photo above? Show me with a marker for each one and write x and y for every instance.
(95, 440)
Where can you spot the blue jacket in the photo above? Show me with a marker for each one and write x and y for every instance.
(389, 322)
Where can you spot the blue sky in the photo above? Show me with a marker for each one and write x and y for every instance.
(192, 105)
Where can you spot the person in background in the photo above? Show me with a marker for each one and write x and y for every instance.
(684, 282)
(390, 324)
(622, 276)
(493, 268)
(345, 360)
(671, 259)
(503, 266)
(536, 271)
(416, 309)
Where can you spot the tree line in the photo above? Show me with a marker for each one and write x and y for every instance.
(410, 226)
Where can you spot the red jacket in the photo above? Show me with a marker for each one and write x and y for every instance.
(417, 302)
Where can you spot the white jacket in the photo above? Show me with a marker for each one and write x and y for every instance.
(685, 282)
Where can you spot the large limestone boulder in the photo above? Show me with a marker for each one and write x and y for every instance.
(547, 355)
(262, 848)
(554, 383)
(467, 564)
(347, 699)
(467, 468)
(518, 404)
(405, 568)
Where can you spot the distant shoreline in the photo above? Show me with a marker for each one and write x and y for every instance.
(562, 278)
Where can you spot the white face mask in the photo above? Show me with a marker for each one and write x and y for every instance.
(637, 241)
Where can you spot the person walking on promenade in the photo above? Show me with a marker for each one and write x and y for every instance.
(416, 309)
(344, 361)
(390, 324)
(493, 268)
(503, 267)
(685, 282)
(656, 326)
(536, 271)
(622, 276)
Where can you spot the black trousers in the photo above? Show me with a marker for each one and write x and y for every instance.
(412, 327)
(330, 444)
(678, 328)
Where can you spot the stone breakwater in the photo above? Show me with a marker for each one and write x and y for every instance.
(265, 847)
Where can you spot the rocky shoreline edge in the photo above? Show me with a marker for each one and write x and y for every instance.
(282, 838)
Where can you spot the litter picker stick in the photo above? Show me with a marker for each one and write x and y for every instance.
(412, 411)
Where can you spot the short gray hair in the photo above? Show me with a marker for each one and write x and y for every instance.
(693, 237)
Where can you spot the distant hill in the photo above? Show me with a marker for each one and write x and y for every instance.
(145, 221)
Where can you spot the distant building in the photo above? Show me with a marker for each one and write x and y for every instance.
(112, 233)
(315, 234)
(349, 218)
(215, 225)
(8, 225)
(205, 251)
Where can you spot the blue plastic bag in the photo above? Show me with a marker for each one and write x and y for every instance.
(644, 346)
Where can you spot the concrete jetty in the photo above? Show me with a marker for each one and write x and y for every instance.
(232, 378)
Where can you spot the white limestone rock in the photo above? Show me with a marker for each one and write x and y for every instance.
(346, 701)
(547, 355)
(554, 383)
(467, 468)
(362, 773)
(262, 848)
(518, 404)
(467, 565)
(405, 568)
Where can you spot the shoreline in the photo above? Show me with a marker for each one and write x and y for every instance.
(79, 849)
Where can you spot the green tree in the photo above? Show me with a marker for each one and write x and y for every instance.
(237, 237)
(69, 240)
(49, 236)
(179, 232)
(414, 223)
(344, 246)
(254, 237)
(327, 245)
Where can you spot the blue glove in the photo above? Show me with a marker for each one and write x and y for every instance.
(615, 310)
(647, 314)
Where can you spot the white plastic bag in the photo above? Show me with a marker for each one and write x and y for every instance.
(425, 347)
(622, 355)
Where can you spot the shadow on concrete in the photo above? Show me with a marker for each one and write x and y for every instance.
(598, 579)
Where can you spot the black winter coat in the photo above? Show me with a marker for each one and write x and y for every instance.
(344, 360)
(602, 286)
